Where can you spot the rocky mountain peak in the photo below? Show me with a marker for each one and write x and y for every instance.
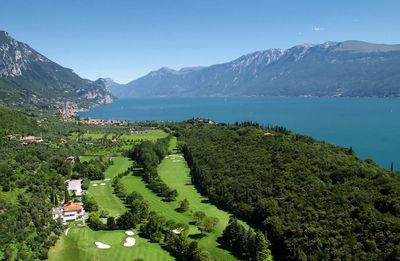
(16, 57)
(27, 77)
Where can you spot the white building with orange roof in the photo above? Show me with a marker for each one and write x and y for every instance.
(73, 211)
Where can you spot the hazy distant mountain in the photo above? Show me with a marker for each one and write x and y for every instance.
(27, 78)
(112, 86)
(350, 68)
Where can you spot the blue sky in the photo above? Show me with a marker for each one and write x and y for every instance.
(125, 39)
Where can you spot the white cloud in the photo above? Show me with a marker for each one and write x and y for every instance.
(300, 33)
(316, 29)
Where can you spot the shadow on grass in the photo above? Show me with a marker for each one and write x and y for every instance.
(197, 236)
(206, 201)
(179, 210)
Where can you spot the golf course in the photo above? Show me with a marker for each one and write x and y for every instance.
(79, 242)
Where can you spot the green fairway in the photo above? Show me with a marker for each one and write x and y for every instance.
(105, 199)
(120, 165)
(175, 172)
(146, 135)
(79, 244)
(103, 191)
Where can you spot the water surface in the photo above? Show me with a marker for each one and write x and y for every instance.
(371, 126)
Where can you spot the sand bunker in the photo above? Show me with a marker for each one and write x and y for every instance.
(129, 241)
(177, 230)
(102, 246)
(66, 232)
(95, 185)
(129, 233)
(176, 161)
(102, 184)
(107, 179)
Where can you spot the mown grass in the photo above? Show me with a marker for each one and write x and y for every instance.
(120, 165)
(79, 244)
(103, 193)
(105, 199)
(147, 135)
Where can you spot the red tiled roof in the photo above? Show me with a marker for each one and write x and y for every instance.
(72, 206)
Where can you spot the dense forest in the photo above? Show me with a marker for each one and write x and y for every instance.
(315, 201)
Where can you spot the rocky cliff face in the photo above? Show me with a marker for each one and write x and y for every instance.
(28, 78)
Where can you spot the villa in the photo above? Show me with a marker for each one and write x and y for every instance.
(73, 211)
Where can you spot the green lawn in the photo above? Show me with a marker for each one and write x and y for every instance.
(175, 172)
(79, 244)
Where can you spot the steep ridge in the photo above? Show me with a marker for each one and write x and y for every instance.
(29, 79)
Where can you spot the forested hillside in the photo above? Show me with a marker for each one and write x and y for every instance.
(315, 201)
(31, 182)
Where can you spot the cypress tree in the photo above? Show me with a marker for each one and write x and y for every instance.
(66, 196)
(261, 248)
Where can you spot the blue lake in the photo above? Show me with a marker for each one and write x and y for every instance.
(371, 126)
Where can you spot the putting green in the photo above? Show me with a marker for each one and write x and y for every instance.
(79, 244)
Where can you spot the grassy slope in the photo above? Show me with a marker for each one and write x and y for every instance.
(176, 175)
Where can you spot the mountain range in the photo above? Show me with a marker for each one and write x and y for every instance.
(348, 69)
(29, 79)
